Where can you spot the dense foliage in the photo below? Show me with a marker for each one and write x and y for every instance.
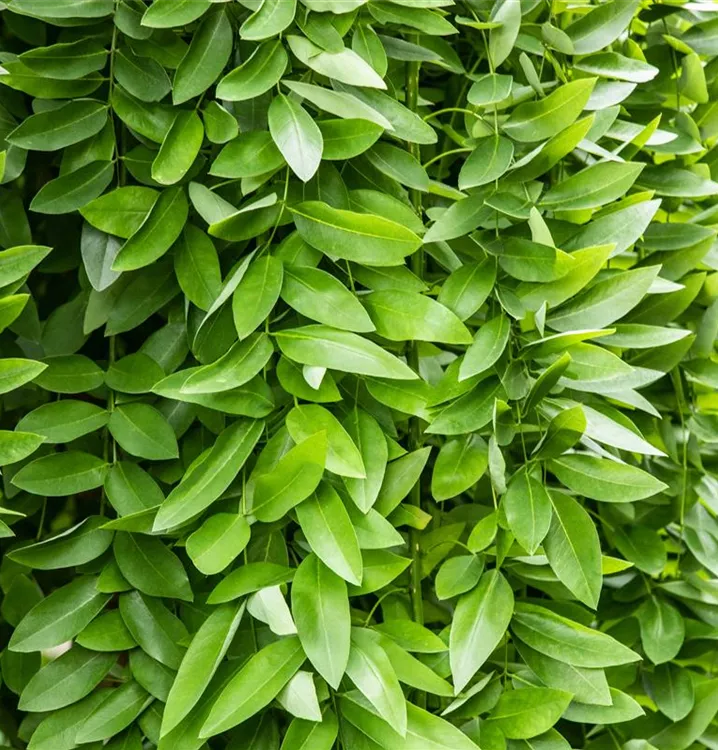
(358, 374)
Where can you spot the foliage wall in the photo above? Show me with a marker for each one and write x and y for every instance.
(358, 374)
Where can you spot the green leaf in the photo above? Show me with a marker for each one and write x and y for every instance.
(16, 262)
(119, 709)
(337, 103)
(61, 474)
(179, 149)
(320, 296)
(603, 25)
(460, 464)
(56, 129)
(157, 233)
(205, 59)
(370, 670)
(58, 730)
(528, 712)
(238, 366)
(563, 432)
(256, 684)
(613, 65)
(682, 734)
(425, 729)
(380, 569)
(217, 542)
(293, 479)
(344, 66)
(586, 685)
(487, 347)
(149, 119)
(145, 79)
(210, 478)
(623, 708)
(256, 294)
(564, 640)
(270, 19)
(329, 531)
(662, 629)
(121, 211)
(574, 550)
(457, 575)
(15, 372)
(131, 489)
(532, 261)
(98, 254)
(412, 636)
(303, 734)
(150, 567)
(297, 136)
(399, 165)
(154, 627)
(59, 617)
(401, 316)
(673, 691)
(107, 633)
(606, 301)
(66, 680)
(15, 446)
(489, 88)
(167, 13)
(219, 125)
(320, 607)
(208, 648)
(77, 545)
(645, 548)
(527, 506)
(249, 578)
(155, 677)
(249, 155)
(479, 624)
(260, 72)
(73, 190)
(366, 239)
(197, 267)
(592, 187)
(142, 431)
(535, 121)
(344, 139)
(540, 160)
(487, 162)
(322, 346)
(367, 436)
(605, 480)
(66, 60)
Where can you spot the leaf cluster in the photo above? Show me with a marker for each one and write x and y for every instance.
(358, 374)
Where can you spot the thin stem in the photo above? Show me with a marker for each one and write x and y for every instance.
(42, 520)
(681, 402)
(245, 556)
(446, 153)
(108, 439)
(268, 243)
(417, 266)
(379, 600)
(463, 110)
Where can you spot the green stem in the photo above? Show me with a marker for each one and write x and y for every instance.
(439, 157)
(681, 402)
(108, 439)
(42, 520)
(417, 266)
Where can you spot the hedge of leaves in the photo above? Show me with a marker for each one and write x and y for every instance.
(358, 374)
